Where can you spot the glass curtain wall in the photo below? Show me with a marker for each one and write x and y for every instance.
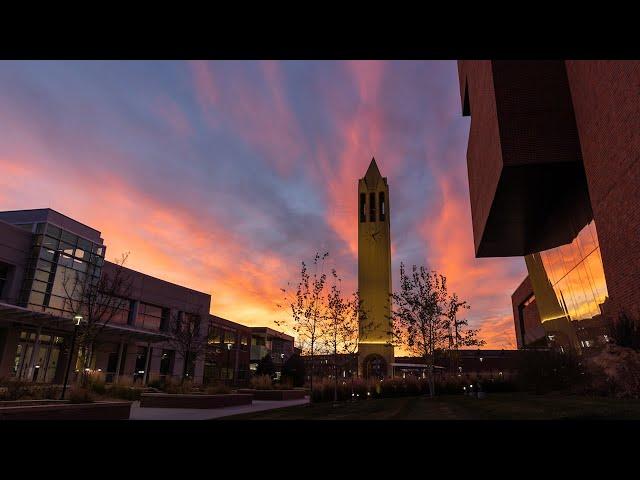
(570, 289)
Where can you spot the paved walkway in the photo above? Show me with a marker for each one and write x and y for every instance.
(138, 413)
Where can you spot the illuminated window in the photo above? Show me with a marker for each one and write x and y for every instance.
(383, 211)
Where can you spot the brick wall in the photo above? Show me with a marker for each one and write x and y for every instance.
(606, 97)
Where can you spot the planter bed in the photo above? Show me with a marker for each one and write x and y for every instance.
(63, 410)
(275, 394)
(169, 400)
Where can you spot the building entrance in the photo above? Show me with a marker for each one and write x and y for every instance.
(37, 357)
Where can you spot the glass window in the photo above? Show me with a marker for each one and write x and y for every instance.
(57, 302)
(215, 335)
(363, 202)
(53, 231)
(69, 237)
(51, 243)
(36, 298)
(149, 316)
(39, 286)
(67, 248)
(44, 265)
(84, 244)
(383, 210)
(229, 336)
(575, 281)
(42, 276)
(48, 254)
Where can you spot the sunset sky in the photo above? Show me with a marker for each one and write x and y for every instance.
(223, 176)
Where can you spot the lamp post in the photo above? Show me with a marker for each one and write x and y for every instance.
(228, 353)
(76, 322)
(281, 366)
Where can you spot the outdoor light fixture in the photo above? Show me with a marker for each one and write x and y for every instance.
(77, 319)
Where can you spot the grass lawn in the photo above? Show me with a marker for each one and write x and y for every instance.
(499, 406)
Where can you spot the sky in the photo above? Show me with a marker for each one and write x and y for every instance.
(223, 176)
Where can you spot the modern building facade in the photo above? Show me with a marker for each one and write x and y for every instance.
(553, 173)
(228, 356)
(265, 340)
(375, 350)
(40, 250)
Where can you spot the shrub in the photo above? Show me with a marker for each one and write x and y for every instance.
(613, 371)
(47, 392)
(547, 371)
(124, 390)
(174, 387)
(356, 389)
(156, 383)
(499, 385)
(96, 383)
(16, 390)
(217, 389)
(261, 382)
(80, 395)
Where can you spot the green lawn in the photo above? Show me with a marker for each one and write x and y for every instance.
(504, 406)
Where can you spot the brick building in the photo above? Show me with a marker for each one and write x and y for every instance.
(37, 248)
(553, 172)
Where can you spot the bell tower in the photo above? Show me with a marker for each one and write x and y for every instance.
(375, 352)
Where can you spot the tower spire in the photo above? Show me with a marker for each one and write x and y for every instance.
(373, 174)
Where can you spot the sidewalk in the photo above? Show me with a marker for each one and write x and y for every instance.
(138, 413)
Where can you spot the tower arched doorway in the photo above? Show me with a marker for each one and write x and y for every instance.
(374, 366)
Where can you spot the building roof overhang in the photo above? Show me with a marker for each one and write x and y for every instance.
(15, 315)
(527, 183)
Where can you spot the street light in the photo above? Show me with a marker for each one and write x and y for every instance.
(228, 353)
(76, 323)
(281, 365)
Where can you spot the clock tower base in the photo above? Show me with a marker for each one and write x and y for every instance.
(374, 360)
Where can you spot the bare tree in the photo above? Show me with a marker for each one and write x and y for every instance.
(459, 333)
(98, 296)
(187, 338)
(307, 308)
(341, 329)
(425, 317)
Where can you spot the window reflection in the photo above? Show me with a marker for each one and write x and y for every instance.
(570, 285)
(58, 255)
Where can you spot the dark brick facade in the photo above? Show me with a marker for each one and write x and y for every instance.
(606, 98)
(552, 145)
(526, 317)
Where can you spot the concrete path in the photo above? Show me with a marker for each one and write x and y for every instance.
(138, 413)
